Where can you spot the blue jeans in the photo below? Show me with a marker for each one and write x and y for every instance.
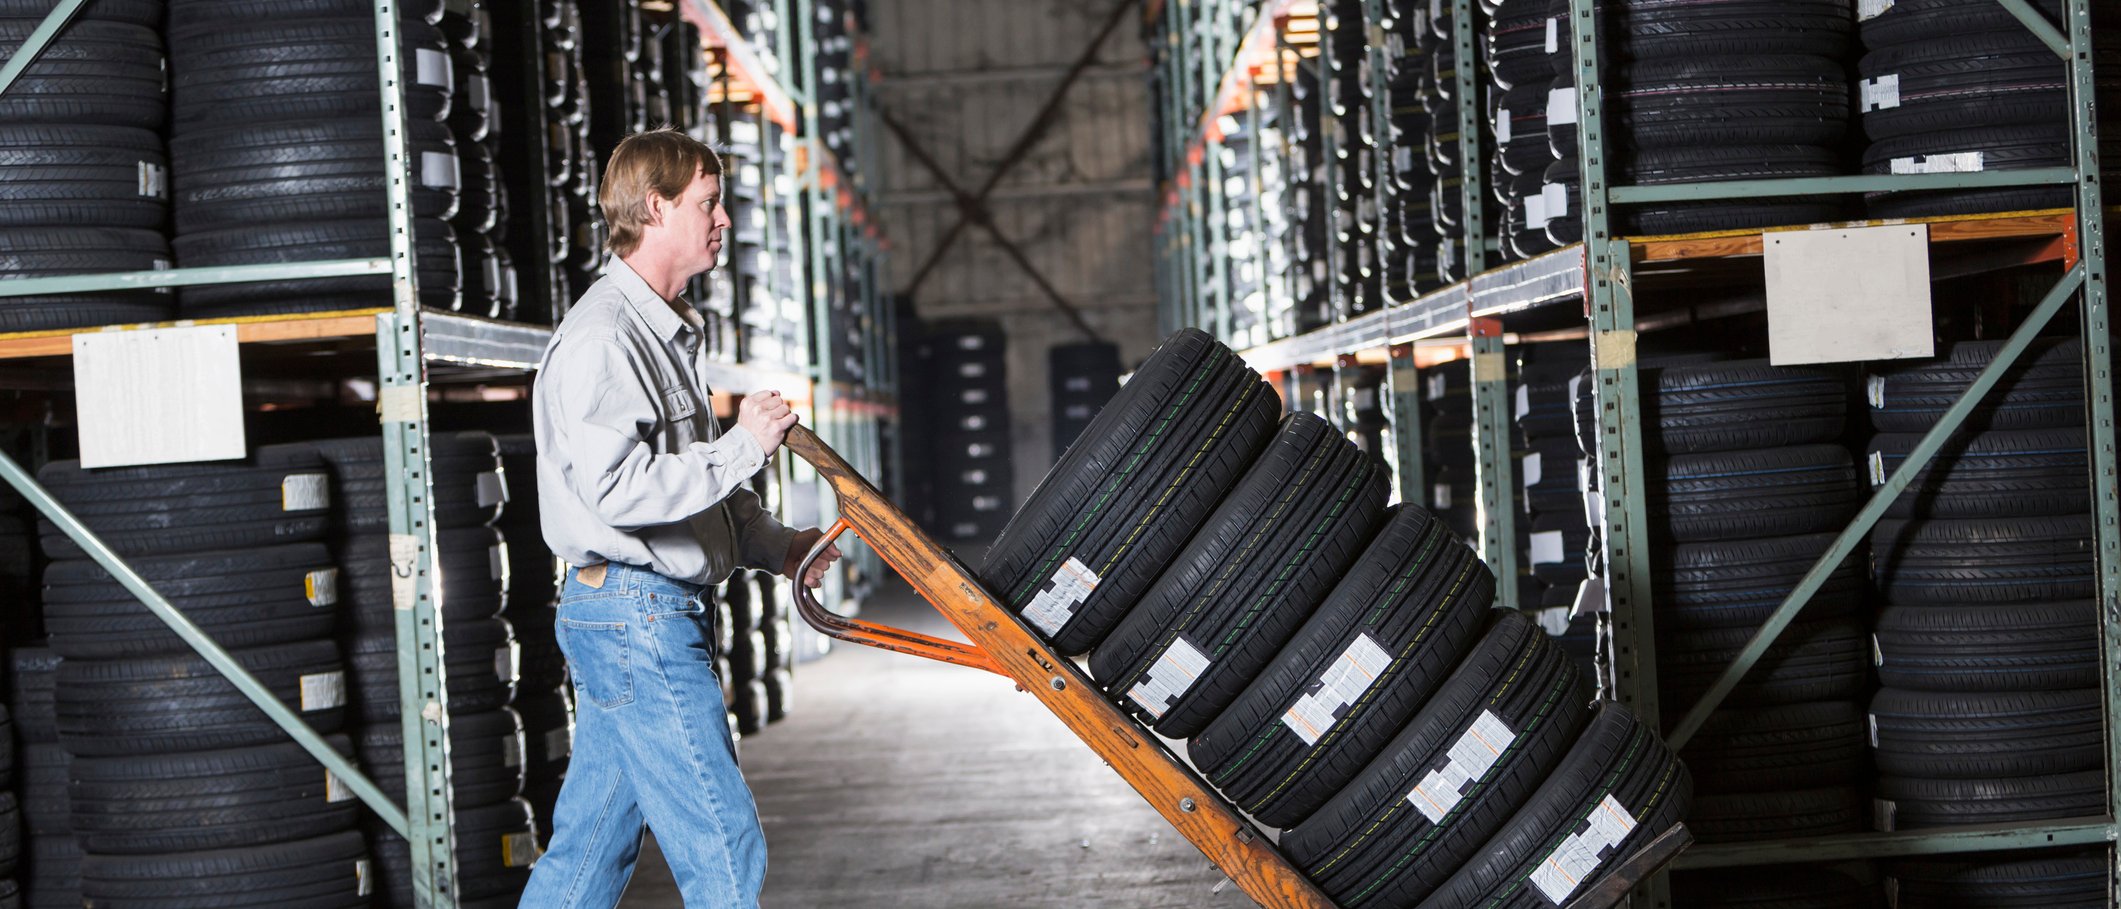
(651, 747)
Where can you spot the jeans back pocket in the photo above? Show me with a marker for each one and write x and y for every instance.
(596, 654)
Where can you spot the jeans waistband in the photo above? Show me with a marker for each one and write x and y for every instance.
(621, 576)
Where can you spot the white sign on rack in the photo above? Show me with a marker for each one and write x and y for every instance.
(1836, 296)
(158, 396)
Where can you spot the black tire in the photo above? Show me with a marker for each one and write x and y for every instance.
(10, 846)
(1743, 404)
(780, 694)
(1516, 703)
(1151, 467)
(271, 69)
(479, 657)
(1771, 100)
(32, 678)
(1999, 473)
(2065, 881)
(747, 658)
(190, 14)
(1770, 492)
(1979, 735)
(1984, 560)
(1416, 593)
(439, 270)
(1993, 148)
(1708, 30)
(750, 706)
(1738, 583)
(1650, 167)
(181, 703)
(84, 176)
(251, 174)
(54, 875)
(1754, 816)
(1810, 661)
(1257, 567)
(48, 251)
(137, 12)
(1908, 21)
(495, 846)
(46, 811)
(329, 872)
(1525, 108)
(95, 73)
(469, 591)
(2023, 647)
(1516, 50)
(278, 495)
(151, 804)
(1788, 887)
(548, 731)
(470, 488)
(2044, 388)
(1547, 414)
(1617, 761)
(1550, 478)
(1795, 746)
(246, 598)
(1910, 804)
(1968, 80)
(487, 757)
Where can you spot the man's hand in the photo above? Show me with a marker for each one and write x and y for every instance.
(815, 578)
(767, 417)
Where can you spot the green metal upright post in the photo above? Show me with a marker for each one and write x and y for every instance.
(1494, 472)
(1473, 184)
(1403, 420)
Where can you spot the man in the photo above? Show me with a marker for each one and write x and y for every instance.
(646, 501)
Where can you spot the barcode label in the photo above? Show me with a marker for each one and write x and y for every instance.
(519, 850)
(1553, 34)
(1532, 470)
(1170, 677)
(1548, 548)
(1954, 163)
(1470, 758)
(305, 492)
(511, 751)
(335, 791)
(1065, 592)
(1881, 93)
(323, 691)
(490, 487)
(1559, 874)
(559, 743)
(321, 587)
(1326, 701)
(154, 180)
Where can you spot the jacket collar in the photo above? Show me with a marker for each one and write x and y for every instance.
(661, 319)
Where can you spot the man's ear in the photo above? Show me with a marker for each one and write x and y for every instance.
(655, 206)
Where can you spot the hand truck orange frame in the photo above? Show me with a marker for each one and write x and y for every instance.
(1002, 645)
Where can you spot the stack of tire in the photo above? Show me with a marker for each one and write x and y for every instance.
(475, 123)
(574, 166)
(495, 829)
(966, 377)
(1278, 223)
(262, 173)
(1081, 378)
(1956, 86)
(1551, 474)
(2069, 879)
(1988, 648)
(544, 698)
(1453, 461)
(49, 874)
(1750, 484)
(179, 789)
(611, 40)
(1245, 286)
(1242, 585)
(1561, 187)
(1352, 139)
(740, 286)
(1362, 410)
(1728, 91)
(1447, 190)
(527, 75)
(1516, 56)
(1311, 203)
(83, 176)
(1409, 222)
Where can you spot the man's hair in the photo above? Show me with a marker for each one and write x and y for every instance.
(662, 161)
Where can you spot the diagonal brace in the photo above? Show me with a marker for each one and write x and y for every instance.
(1917, 459)
(38, 41)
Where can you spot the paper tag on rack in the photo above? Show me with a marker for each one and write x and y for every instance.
(1876, 462)
(335, 791)
(1554, 200)
(491, 488)
(519, 850)
(1874, 391)
(1559, 874)
(1169, 677)
(305, 492)
(1867, 10)
(1531, 469)
(1548, 548)
(1470, 758)
(404, 557)
(1056, 603)
(1953, 163)
(158, 396)
(323, 691)
(1325, 701)
(1440, 497)
(1561, 107)
(438, 170)
(431, 67)
(321, 587)
(154, 180)
(1553, 34)
(1881, 93)
(511, 751)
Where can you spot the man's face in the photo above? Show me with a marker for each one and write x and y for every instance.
(695, 224)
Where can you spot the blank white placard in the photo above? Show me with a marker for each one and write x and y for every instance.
(159, 396)
(1836, 296)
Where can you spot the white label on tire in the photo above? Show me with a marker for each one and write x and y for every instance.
(490, 488)
(1553, 34)
(1873, 718)
(1325, 701)
(323, 691)
(1470, 758)
(1876, 463)
(364, 883)
(1877, 652)
(1056, 603)
(479, 92)
(431, 67)
(559, 743)
(1524, 401)
(497, 562)
(1169, 677)
(321, 587)
(438, 170)
(1559, 874)
(1881, 93)
(1554, 199)
(1440, 496)
(511, 751)
(1438, 385)
(1535, 217)
(1883, 813)
(154, 180)
(506, 662)
(1867, 10)
(1954, 163)
(1874, 390)
(1548, 548)
(1502, 125)
(305, 492)
(519, 850)
(1561, 107)
(1532, 470)
(335, 791)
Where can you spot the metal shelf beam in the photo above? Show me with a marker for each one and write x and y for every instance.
(183, 277)
(1941, 841)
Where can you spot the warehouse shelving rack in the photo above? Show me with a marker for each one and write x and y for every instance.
(1603, 275)
(413, 347)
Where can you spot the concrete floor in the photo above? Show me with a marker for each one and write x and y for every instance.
(901, 782)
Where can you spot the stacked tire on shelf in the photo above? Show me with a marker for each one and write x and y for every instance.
(1352, 139)
(51, 874)
(475, 124)
(83, 175)
(1408, 246)
(276, 151)
(1081, 377)
(1244, 585)
(1310, 202)
(1987, 647)
(544, 697)
(1551, 474)
(1515, 51)
(496, 832)
(964, 375)
(179, 790)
